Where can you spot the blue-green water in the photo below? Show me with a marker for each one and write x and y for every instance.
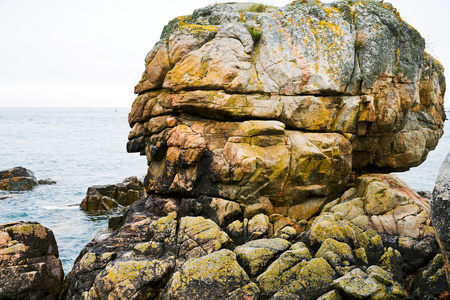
(77, 147)
(81, 147)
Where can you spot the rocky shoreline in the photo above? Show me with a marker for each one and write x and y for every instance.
(269, 135)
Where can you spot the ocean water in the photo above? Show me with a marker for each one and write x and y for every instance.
(81, 147)
(77, 147)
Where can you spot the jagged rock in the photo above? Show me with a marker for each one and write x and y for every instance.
(312, 279)
(129, 279)
(29, 263)
(431, 281)
(375, 284)
(277, 109)
(107, 197)
(342, 250)
(283, 269)
(17, 179)
(198, 236)
(254, 256)
(220, 277)
(385, 204)
(440, 211)
(327, 226)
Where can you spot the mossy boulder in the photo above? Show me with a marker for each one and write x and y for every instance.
(255, 256)
(29, 263)
(17, 179)
(214, 276)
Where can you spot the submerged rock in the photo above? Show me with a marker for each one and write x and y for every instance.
(17, 179)
(29, 263)
(106, 197)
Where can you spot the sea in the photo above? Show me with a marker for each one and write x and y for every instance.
(81, 147)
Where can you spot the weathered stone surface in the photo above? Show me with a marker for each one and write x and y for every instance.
(218, 276)
(375, 284)
(440, 212)
(17, 179)
(309, 281)
(29, 264)
(106, 197)
(398, 214)
(283, 269)
(349, 80)
(431, 281)
(254, 256)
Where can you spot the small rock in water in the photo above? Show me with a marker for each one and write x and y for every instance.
(46, 181)
(106, 197)
(29, 263)
(17, 179)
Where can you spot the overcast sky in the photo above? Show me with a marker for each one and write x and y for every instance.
(91, 53)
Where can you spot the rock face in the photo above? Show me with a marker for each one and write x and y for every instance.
(385, 204)
(17, 179)
(440, 212)
(29, 264)
(170, 248)
(106, 197)
(279, 108)
(261, 126)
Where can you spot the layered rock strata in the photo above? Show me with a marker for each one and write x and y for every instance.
(102, 198)
(279, 108)
(29, 263)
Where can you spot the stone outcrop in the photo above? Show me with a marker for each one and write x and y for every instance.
(263, 128)
(440, 211)
(279, 109)
(165, 248)
(17, 179)
(385, 204)
(106, 197)
(29, 263)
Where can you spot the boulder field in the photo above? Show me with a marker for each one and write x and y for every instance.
(269, 134)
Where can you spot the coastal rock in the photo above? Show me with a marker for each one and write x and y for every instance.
(258, 108)
(376, 283)
(29, 263)
(46, 181)
(255, 121)
(431, 282)
(385, 204)
(255, 255)
(17, 179)
(219, 278)
(106, 197)
(440, 211)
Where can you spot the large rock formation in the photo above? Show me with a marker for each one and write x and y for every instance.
(29, 263)
(279, 108)
(258, 125)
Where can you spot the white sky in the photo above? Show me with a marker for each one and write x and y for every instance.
(62, 53)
